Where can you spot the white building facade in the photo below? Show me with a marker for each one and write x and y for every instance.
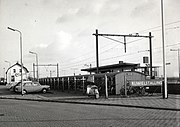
(13, 73)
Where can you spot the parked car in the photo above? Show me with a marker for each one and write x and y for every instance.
(31, 87)
(11, 86)
(8, 85)
(2, 81)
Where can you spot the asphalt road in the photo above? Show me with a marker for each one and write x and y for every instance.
(20, 113)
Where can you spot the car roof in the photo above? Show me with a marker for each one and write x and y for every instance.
(24, 81)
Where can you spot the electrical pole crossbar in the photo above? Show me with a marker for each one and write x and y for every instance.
(121, 35)
(47, 65)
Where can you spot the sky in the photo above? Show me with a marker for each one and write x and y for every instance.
(60, 31)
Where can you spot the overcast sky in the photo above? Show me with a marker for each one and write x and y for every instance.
(60, 31)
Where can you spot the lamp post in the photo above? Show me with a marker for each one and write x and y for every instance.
(21, 56)
(7, 69)
(177, 50)
(4, 72)
(74, 70)
(165, 94)
(36, 63)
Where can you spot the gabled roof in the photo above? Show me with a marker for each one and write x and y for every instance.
(19, 66)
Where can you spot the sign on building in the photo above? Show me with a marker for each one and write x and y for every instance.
(146, 83)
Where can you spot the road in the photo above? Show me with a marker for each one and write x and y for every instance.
(20, 113)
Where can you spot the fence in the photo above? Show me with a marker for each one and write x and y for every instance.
(78, 83)
(106, 84)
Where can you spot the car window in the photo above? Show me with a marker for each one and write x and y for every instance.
(28, 84)
(18, 84)
(36, 84)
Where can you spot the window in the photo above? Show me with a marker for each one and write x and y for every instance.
(28, 84)
(12, 78)
(14, 70)
(36, 84)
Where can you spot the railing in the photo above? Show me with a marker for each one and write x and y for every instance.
(79, 83)
(106, 84)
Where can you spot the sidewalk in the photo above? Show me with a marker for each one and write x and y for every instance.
(148, 102)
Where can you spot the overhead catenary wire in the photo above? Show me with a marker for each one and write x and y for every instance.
(85, 54)
(136, 52)
(176, 27)
(84, 59)
(110, 58)
(75, 64)
(167, 24)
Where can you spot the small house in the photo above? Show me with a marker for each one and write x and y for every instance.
(13, 73)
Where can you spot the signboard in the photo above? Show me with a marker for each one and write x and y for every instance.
(146, 83)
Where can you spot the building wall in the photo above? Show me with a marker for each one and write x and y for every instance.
(14, 74)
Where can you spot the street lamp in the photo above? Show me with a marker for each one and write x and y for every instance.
(177, 50)
(6, 71)
(165, 94)
(74, 70)
(36, 63)
(21, 56)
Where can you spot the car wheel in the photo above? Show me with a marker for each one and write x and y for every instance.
(24, 92)
(14, 89)
(44, 90)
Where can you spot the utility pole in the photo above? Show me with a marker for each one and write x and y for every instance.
(97, 54)
(125, 44)
(165, 93)
(150, 52)
(8, 75)
(4, 75)
(57, 70)
(90, 68)
(34, 70)
(36, 64)
(21, 52)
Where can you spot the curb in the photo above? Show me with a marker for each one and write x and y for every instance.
(92, 103)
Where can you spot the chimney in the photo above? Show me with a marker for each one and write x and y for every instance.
(120, 62)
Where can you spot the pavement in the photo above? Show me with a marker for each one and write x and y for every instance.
(155, 101)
